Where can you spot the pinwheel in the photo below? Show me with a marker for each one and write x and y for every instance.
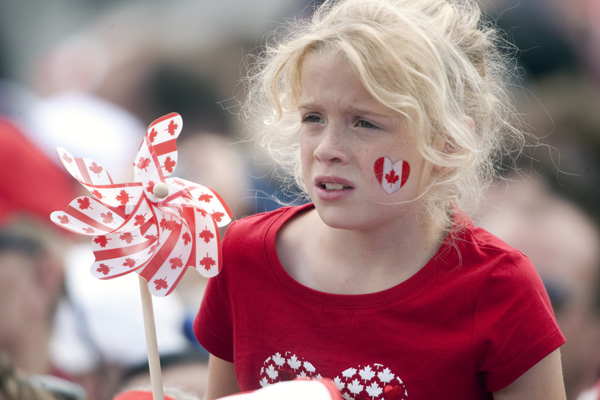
(155, 226)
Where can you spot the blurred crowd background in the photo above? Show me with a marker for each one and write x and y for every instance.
(90, 75)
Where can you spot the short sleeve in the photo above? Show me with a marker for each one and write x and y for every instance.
(213, 325)
(514, 325)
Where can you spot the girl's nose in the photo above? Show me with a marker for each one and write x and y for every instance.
(331, 147)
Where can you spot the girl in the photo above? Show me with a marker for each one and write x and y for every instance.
(390, 113)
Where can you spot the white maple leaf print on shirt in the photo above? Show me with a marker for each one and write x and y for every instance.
(278, 359)
(374, 390)
(355, 387)
(309, 367)
(349, 372)
(386, 375)
(271, 372)
(294, 362)
(338, 382)
(374, 381)
(366, 373)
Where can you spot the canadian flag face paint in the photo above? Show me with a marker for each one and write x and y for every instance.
(391, 176)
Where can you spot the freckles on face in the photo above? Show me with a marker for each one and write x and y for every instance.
(355, 150)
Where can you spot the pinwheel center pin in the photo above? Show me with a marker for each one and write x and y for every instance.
(160, 190)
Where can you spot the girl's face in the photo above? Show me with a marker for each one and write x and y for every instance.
(359, 163)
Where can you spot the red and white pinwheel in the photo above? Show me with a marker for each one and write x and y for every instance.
(156, 226)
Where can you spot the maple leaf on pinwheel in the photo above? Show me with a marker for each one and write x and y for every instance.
(103, 269)
(107, 218)
(391, 177)
(149, 186)
(160, 284)
(133, 229)
(217, 216)
(140, 219)
(95, 168)
(97, 194)
(172, 127)
(123, 197)
(206, 235)
(168, 225)
(144, 163)
(169, 165)
(207, 262)
(176, 262)
(102, 241)
(67, 158)
(205, 197)
(152, 135)
(84, 203)
(127, 237)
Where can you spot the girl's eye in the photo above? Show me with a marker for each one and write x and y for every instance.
(312, 118)
(361, 123)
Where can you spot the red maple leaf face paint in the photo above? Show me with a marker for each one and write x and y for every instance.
(391, 176)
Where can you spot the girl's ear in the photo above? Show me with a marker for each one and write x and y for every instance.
(470, 122)
(449, 148)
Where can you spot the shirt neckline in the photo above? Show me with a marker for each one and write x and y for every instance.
(394, 293)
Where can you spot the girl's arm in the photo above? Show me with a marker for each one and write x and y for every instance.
(543, 381)
(221, 378)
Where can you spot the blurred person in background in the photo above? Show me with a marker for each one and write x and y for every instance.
(31, 285)
(31, 264)
(16, 385)
(551, 212)
(99, 88)
(563, 243)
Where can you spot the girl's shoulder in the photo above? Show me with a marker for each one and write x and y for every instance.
(475, 247)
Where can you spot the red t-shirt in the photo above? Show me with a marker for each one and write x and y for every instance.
(458, 329)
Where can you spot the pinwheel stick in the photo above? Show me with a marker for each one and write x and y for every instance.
(151, 342)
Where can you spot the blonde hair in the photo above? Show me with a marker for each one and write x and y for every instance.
(435, 62)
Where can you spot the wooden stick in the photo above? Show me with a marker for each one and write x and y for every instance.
(151, 341)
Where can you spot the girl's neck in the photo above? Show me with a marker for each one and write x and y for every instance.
(356, 262)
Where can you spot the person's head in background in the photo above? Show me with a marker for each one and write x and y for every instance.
(31, 285)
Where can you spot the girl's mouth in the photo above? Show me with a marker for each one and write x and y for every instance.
(334, 186)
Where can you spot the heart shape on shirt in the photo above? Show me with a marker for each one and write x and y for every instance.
(391, 176)
(360, 382)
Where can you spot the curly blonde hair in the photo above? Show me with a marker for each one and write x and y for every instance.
(436, 63)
